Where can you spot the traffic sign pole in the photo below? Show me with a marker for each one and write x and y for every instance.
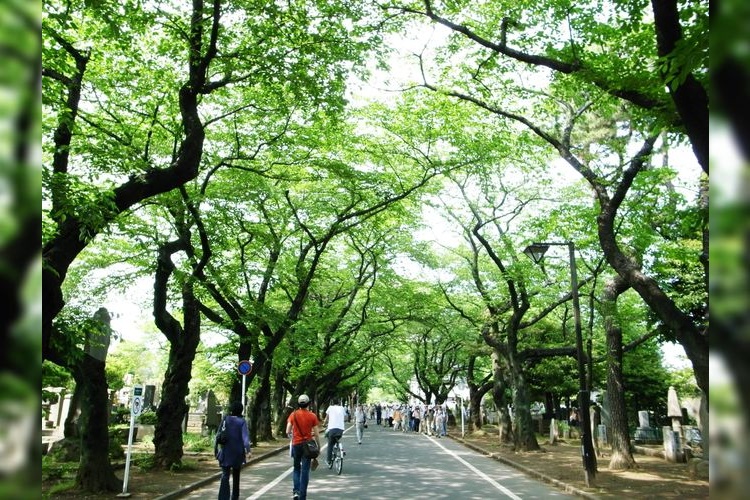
(135, 410)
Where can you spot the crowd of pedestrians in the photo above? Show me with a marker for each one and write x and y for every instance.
(303, 426)
(431, 420)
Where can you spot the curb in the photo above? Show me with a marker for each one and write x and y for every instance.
(568, 488)
(202, 482)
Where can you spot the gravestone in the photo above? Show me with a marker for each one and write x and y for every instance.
(605, 409)
(644, 433)
(553, 431)
(213, 417)
(643, 419)
(673, 451)
(674, 411)
(149, 392)
(601, 435)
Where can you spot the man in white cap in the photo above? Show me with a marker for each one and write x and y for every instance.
(302, 426)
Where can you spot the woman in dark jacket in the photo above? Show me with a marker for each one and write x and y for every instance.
(234, 452)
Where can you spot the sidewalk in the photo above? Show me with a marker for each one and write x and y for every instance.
(561, 465)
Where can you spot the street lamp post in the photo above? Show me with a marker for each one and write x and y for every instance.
(536, 251)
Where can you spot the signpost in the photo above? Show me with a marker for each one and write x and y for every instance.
(244, 367)
(135, 409)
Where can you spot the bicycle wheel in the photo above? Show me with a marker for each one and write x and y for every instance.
(339, 462)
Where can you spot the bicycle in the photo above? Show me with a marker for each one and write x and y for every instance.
(337, 455)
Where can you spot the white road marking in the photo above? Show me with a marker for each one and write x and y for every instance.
(270, 485)
(278, 479)
(478, 472)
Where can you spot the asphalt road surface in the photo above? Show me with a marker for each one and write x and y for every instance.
(391, 464)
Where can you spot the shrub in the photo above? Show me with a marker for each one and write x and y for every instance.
(147, 418)
(197, 443)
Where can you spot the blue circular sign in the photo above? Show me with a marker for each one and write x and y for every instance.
(244, 367)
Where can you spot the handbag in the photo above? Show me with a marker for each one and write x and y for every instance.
(309, 448)
(221, 436)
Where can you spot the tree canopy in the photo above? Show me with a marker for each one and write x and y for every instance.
(347, 241)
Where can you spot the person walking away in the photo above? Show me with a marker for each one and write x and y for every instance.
(335, 427)
(430, 418)
(234, 452)
(360, 421)
(396, 418)
(439, 421)
(404, 419)
(301, 426)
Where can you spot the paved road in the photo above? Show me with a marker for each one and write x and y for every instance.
(392, 464)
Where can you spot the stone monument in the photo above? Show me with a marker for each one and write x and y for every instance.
(674, 411)
(673, 449)
(644, 433)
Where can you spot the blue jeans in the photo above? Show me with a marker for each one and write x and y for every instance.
(301, 473)
(224, 485)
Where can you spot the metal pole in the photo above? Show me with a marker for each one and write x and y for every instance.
(127, 458)
(587, 446)
(463, 432)
(244, 378)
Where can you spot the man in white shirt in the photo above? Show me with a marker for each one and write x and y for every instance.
(360, 421)
(335, 427)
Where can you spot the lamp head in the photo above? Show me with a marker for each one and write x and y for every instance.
(536, 251)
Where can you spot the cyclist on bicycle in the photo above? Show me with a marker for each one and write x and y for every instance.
(335, 427)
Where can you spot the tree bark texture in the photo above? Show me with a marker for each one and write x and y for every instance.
(524, 434)
(500, 398)
(173, 408)
(622, 456)
(689, 96)
(260, 411)
(95, 471)
(70, 427)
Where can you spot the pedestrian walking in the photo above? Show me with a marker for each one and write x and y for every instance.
(360, 421)
(233, 452)
(302, 426)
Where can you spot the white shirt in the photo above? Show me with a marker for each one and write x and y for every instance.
(335, 415)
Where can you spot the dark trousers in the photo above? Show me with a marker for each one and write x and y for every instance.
(224, 485)
(333, 436)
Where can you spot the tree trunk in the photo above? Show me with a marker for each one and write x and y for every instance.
(524, 435)
(260, 410)
(70, 427)
(279, 402)
(183, 343)
(501, 399)
(622, 457)
(475, 406)
(95, 471)
(173, 408)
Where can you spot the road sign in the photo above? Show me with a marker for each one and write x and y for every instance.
(137, 407)
(244, 367)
